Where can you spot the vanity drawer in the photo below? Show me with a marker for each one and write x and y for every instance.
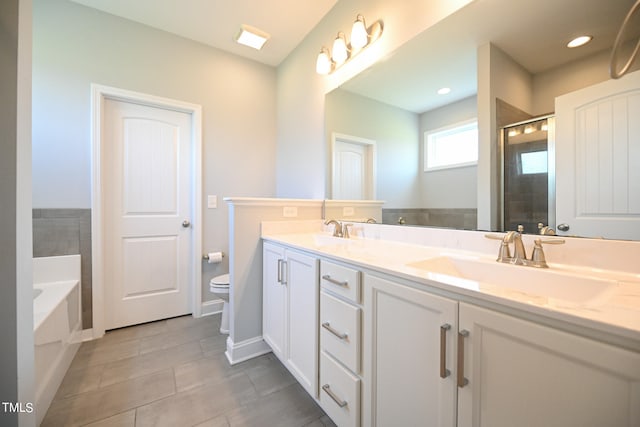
(340, 330)
(339, 392)
(341, 280)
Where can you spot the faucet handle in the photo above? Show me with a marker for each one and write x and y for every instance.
(494, 236)
(537, 256)
(504, 254)
(345, 230)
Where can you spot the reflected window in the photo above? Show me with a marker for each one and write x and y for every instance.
(451, 147)
(533, 162)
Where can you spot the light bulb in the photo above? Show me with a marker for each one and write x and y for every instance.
(359, 35)
(339, 51)
(323, 63)
(579, 41)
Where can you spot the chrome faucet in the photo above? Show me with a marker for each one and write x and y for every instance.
(340, 230)
(337, 231)
(519, 253)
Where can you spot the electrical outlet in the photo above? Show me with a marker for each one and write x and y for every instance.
(290, 211)
(348, 211)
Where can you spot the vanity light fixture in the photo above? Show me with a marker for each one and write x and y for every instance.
(579, 41)
(324, 65)
(340, 50)
(359, 34)
(343, 50)
(252, 37)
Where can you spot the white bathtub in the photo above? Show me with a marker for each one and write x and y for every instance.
(57, 325)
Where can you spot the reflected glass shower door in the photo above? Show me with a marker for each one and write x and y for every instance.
(528, 178)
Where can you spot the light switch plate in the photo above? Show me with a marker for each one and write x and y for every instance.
(212, 202)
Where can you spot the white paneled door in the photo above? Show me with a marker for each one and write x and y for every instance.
(597, 159)
(147, 208)
(353, 168)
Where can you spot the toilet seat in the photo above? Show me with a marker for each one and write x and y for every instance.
(223, 279)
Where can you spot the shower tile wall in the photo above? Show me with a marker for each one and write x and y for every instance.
(66, 232)
(464, 219)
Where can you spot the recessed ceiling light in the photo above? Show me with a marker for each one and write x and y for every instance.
(444, 91)
(579, 41)
(252, 37)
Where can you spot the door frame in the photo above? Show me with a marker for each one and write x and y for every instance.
(370, 146)
(99, 94)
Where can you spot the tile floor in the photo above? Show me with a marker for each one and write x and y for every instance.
(174, 373)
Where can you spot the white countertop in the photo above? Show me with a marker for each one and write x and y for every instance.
(617, 312)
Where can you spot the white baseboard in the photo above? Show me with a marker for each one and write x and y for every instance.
(211, 307)
(87, 335)
(245, 350)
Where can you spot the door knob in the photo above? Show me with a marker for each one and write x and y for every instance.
(186, 223)
(563, 227)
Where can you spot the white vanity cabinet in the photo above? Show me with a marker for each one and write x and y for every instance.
(409, 356)
(525, 374)
(290, 311)
(340, 343)
(376, 349)
(430, 360)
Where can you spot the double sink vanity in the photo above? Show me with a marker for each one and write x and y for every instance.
(390, 328)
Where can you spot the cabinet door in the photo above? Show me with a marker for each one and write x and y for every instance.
(403, 354)
(302, 283)
(524, 374)
(274, 299)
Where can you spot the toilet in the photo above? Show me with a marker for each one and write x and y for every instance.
(219, 285)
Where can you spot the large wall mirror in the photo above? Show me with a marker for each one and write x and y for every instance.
(516, 52)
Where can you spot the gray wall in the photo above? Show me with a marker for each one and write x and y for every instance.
(75, 46)
(448, 188)
(396, 134)
(16, 288)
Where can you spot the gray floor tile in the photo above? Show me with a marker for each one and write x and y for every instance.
(125, 419)
(270, 376)
(291, 406)
(80, 380)
(203, 371)
(148, 363)
(323, 421)
(98, 352)
(106, 402)
(198, 405)
(214, 345)
(220, 421)
(178, 336)
(174, 372)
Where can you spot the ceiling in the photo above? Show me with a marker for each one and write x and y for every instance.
(533, 32)
(216, 22)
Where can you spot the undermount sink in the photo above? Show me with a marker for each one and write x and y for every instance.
(542, 286)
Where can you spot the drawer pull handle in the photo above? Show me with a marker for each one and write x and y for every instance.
(461, 380)
(334, 281)
(328, 327)
(341, 403)
(444, 372)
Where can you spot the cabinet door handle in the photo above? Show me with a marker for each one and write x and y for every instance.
(280, 271)
(334, 281)
(341, 403)
(461, 380)
(444, 372)
(328, 327)
(283, 275)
